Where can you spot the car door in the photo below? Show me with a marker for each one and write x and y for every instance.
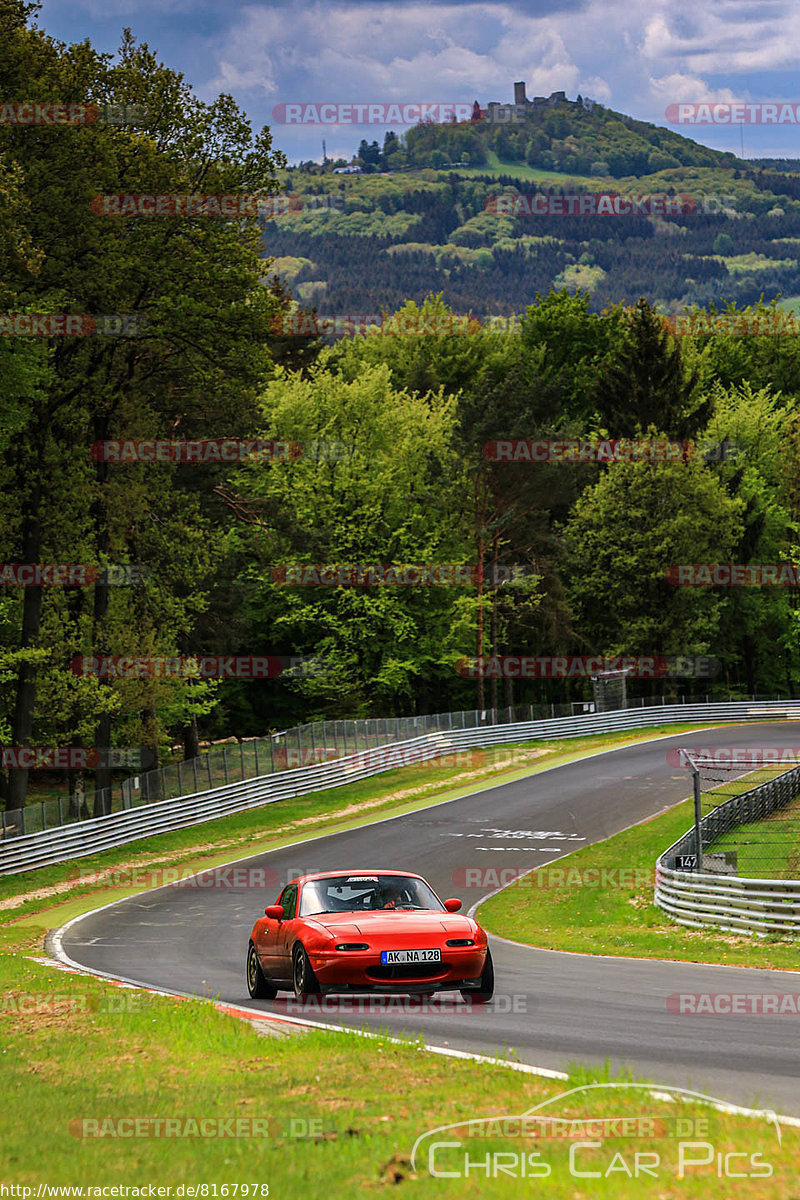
(285, 934)
(267, 945)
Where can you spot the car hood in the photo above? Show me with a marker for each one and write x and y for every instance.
(388, 922)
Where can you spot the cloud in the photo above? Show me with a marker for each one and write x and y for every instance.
(372, 51)
(634, 57)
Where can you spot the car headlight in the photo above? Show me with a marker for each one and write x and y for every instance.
(353, 946)
(460, 942)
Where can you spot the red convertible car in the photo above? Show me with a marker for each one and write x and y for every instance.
(366, 931)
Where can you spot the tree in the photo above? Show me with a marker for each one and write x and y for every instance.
(646, 382)
(196, 280)
(363, 502)
(637, 521)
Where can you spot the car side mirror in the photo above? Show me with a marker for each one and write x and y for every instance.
(275, 912)
(452, 905)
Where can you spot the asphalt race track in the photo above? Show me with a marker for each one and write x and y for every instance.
(553, 1009)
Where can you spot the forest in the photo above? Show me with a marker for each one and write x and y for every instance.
(359, 454)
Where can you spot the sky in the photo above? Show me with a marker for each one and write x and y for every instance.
(635, 56)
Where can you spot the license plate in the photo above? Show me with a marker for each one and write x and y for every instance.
(410, 956)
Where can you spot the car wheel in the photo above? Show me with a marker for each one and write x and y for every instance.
(303, 977)
(486, 989)
(258, 985)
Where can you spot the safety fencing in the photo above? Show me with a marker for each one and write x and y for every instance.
(145, 816)
(730, 902)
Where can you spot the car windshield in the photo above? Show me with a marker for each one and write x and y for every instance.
(366, 893)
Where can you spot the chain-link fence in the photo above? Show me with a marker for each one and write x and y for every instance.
(750, 812)
(248, 758)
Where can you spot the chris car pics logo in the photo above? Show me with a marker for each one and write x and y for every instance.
(683, 1145)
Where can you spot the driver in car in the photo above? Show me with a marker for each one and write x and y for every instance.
(393, 896)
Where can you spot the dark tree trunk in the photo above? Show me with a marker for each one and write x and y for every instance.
(25, 700)
(102, 734)
(191, 739)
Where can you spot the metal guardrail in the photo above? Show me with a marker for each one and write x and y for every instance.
(732, 902)
(24, 852)
(236, 760)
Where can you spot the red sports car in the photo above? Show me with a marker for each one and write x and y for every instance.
(366, 931)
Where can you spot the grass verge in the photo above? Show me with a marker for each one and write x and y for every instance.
(92, 1074)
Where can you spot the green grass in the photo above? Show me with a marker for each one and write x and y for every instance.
(518, 170)
(789, 303)
(768, 849)
(599, 900)
(322, 1114)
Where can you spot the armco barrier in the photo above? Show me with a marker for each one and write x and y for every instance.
(730, 902)
(89, 836)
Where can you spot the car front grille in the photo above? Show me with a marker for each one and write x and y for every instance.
(407, 971)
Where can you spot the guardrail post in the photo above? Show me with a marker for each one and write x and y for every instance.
(241, 751)
(44, 817)
(194, 772)
(698, 836)
(225, 761)
(255, 754)
(60, 812)
(208, 765)
(180, 779)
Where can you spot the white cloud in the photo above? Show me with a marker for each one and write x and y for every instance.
(649, 54)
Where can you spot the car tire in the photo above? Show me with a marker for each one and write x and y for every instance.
(304, 980)
(258, 985)
(486, 989)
